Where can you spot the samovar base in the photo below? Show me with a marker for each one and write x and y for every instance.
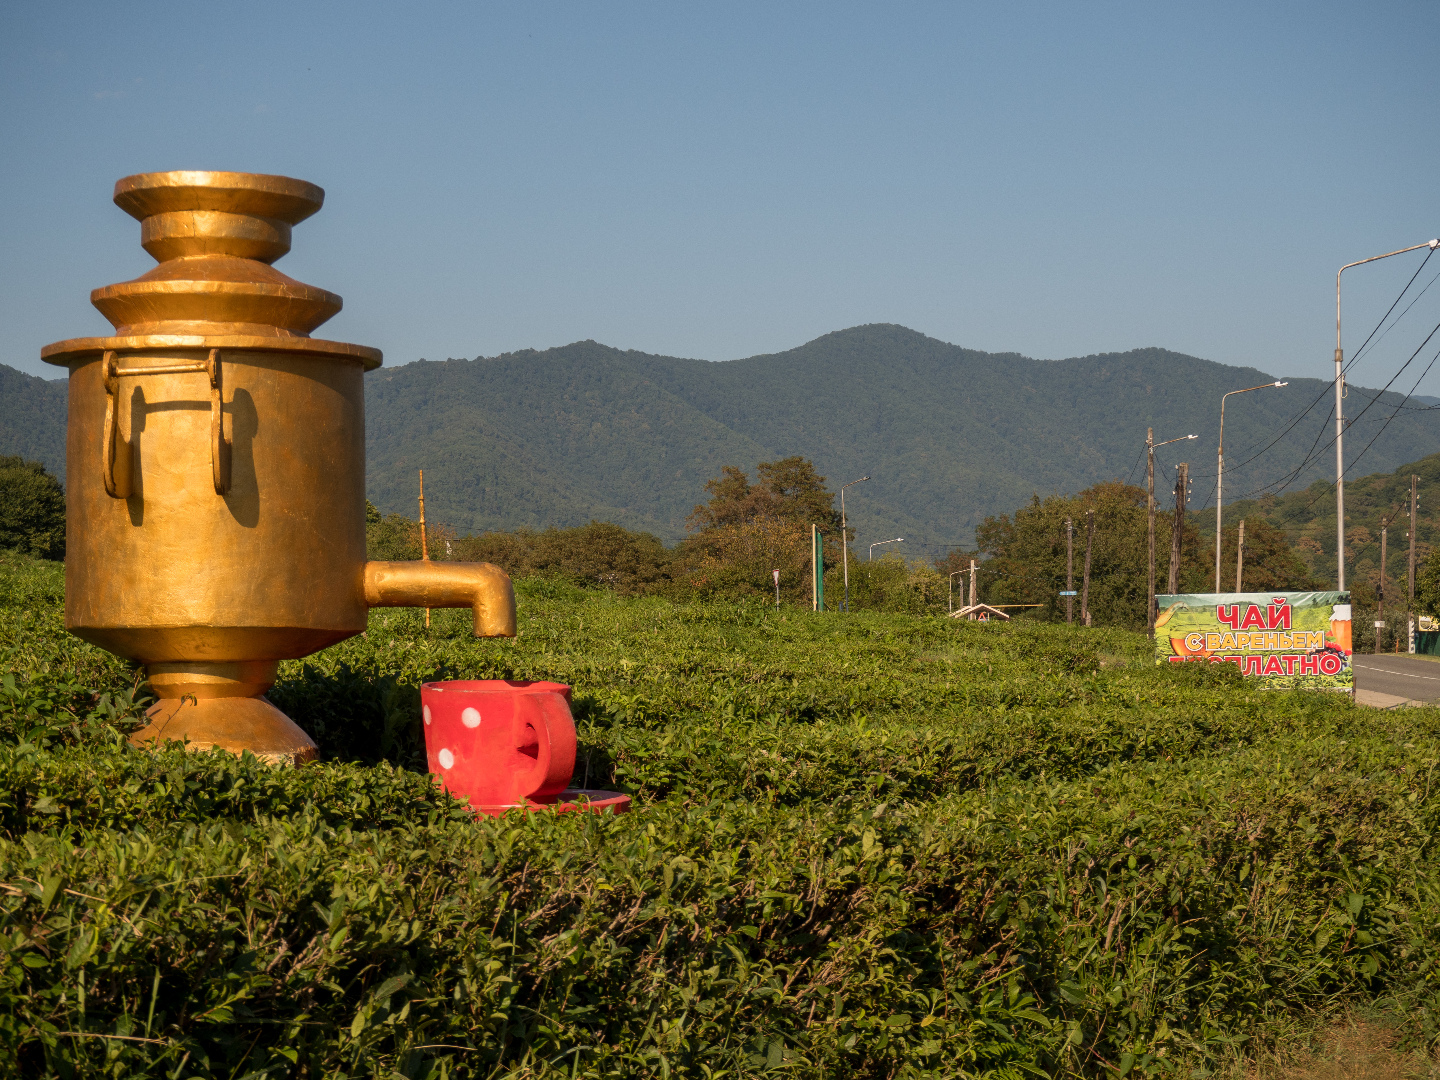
(219, 706)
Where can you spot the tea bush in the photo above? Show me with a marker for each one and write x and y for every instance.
(882, 845)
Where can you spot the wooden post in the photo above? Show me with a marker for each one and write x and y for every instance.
(1182, 481)
(424, 543)
(1150, 504)
(1069, 571)
(1085, 589)
(1240, 557)
(817, 569)
(972, 587)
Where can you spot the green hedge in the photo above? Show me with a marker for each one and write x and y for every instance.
(882, 846)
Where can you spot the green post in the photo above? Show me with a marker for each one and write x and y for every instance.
(817, 567)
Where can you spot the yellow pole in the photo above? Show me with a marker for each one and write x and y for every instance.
(424, 543)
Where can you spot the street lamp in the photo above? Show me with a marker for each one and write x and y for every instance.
(882, 543)
(1339, 423)
(952, 589)
(1150, 445)
(1220, 468)
(845, 538)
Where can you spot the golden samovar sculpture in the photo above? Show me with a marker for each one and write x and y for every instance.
(215, 469)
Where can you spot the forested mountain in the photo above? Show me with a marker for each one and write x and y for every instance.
(32, 418)
(948, 435)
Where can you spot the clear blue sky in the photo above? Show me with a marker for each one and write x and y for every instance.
(724, 180)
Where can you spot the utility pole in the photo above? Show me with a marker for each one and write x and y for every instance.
(1150, 445)
(972, 587)
(1339, 443)
(1182, 480)
(1340, 397)
(1380, 594)
(1150, 502)
(1085, 589)
(1069, 571)
(1414, 501)
(1240, 557)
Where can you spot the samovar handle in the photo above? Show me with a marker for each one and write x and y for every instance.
(117, 466)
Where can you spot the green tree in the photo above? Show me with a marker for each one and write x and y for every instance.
(1427, 584)
(738, 560)
(746, 531)
(391, 536)
(598, 554)
(32, 509)
(1271, 562)
(1025, 555)
(789, 490)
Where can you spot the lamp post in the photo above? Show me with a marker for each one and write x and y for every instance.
(845, 538)
(882, 543)
(1339, 397)
(1150, 445)
(1220, 468)
(952, 589)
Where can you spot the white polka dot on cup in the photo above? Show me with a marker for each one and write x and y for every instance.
(426, 710)
(447, 759)
(470, 717)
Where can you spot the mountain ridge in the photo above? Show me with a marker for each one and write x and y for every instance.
(948, 435)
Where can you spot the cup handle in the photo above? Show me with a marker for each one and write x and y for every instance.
(545, 732)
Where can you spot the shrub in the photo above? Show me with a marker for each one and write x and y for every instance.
(875, 845)
(598, 555)
(32, 509)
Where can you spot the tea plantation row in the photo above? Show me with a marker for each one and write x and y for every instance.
(875, 846)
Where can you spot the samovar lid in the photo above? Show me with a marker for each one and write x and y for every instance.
(214, 235)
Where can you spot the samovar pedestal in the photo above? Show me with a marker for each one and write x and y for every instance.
(221, 706)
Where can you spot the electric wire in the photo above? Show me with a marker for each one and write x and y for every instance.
(1330, 385)
(1276, 485)
(1356, 354)
(1392, 416)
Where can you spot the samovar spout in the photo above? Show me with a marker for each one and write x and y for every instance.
(483, 588)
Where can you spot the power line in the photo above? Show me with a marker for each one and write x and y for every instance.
(1329, 386)
(1371, 443)
(1354, 420)
(1356, 354)
(1410, 408)
(1138, 458)
(1392, 416)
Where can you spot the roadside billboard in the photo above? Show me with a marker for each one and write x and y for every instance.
(1291, 640)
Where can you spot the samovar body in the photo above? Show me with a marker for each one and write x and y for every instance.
(215, 469)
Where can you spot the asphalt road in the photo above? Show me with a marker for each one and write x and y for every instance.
(1403, 676)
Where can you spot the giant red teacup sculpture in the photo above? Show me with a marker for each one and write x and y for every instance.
(507, 745)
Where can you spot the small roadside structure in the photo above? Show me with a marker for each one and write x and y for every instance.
(979, 613)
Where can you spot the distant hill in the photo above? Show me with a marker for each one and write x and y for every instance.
(948, 435)
(1308, 518)
(32, 418)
